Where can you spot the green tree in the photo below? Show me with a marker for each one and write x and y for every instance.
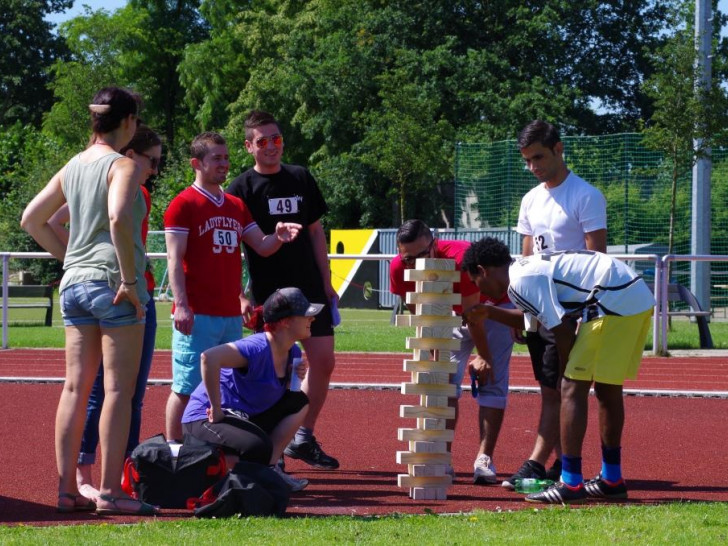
(28, 159)
(687, 119)
(140, 47)
(28, 46)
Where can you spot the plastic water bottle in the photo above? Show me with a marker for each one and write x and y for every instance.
(531, 485)
(295, 380)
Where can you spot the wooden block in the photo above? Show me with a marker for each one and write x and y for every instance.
(413, 275)
(407, 457)
(434, 366)
(429, 320)
(428, 493)
(430, 378)
(430, 401)
(434, 331)
(436, 390)
(421, 446)
(429, 423)
(409, 434)
(405, 480)
(418, 470)
(434, 309)
(429, 343)
(416, 412)
(442, 264)
(434, 287)
(441, 299)
(423, 354)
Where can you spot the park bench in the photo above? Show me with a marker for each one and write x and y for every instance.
(679, 293)
(41, 293)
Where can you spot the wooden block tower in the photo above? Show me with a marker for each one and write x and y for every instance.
(430, 367)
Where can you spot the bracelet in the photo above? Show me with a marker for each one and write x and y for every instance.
(129, 283)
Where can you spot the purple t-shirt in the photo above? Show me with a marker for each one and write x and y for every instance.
(253, 389)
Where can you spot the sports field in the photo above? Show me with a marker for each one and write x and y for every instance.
(676, 436)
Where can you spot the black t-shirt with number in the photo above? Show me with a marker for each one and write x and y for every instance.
(290, 195)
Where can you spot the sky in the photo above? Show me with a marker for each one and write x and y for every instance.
(77, 9)
(112, 5)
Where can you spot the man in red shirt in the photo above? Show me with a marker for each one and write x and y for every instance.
(492, 340)
(203, 229)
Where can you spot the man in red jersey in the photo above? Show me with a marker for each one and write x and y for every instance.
(203, 229)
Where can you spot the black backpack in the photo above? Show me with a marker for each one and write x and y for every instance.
(250, 489)
(153, 475)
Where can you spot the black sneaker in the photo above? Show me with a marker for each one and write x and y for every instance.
(597, 488)
(554, 473)
(529, 469)
(559, 493)
(311, 453)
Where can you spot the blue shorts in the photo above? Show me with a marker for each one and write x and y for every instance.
(207, 332)
(91, 302)
(500, 342)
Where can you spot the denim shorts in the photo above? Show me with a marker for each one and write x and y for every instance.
(90, 302)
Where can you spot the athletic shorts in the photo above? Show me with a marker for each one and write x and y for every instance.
(544, 356)
(91, 303)
(500, 342)
(207, 331)
(609, 349)
(248, 437)
(322, 325)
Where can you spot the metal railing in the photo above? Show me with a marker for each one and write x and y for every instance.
(661, 293)
(659, 326)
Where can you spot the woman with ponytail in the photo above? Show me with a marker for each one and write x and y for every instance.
(102, 294)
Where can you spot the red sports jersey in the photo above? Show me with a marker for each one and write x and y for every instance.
(450, 250)
(148, 274)
(214, 227)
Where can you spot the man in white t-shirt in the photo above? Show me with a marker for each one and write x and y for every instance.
(562, 212)
(615, 306)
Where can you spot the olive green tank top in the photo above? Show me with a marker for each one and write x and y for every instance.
(90, 255)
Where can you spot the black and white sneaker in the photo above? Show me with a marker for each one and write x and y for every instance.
(529, 469)
(559, 493)
(310, 452)
(599, 488)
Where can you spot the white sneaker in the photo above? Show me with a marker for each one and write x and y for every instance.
(484, 470)
(294, 484)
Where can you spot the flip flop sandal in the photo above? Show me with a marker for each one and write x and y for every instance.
(89, 491)
(145, 509)
(87, 505)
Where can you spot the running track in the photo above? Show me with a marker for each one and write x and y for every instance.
(675, 445)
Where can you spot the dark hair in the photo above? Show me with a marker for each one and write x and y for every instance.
(412, 230)
(143, 139)
(258, 118)
(110, 106)
(488, 252)
(539, 132)
(202, 143)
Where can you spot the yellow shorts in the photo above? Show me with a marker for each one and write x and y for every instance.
(609, 349)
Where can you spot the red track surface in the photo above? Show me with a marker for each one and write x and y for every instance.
(672, 446)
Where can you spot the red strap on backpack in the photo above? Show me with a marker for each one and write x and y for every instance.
(220, 469)
(129, 478)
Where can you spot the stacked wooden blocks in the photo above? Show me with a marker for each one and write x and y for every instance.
(428, 456)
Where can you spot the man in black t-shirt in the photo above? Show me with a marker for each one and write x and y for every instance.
(275, 192)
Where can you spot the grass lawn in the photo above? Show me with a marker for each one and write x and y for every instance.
(684, 523)
(360, 330)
